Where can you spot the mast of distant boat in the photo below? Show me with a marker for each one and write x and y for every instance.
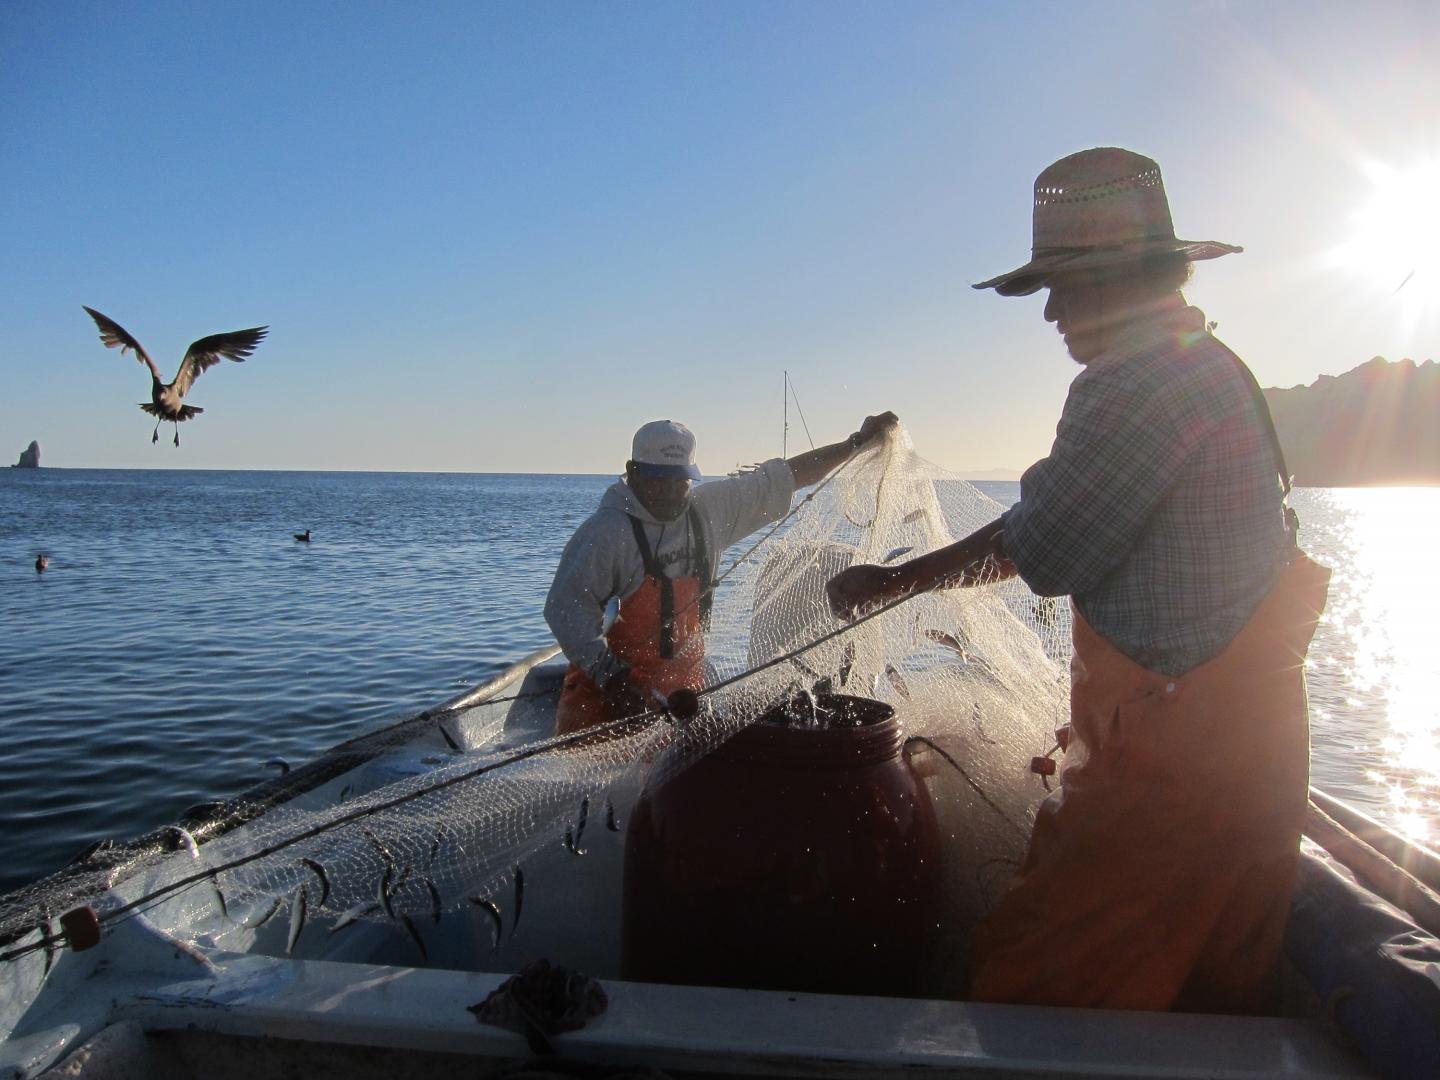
(785, 413)
(787, 391)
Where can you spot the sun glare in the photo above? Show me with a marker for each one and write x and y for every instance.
(1395, 237)
(1391, 627)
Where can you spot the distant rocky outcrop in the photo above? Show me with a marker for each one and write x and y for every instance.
(29, 457)
(1376, 424)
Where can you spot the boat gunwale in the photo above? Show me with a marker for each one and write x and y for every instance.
(208, 821)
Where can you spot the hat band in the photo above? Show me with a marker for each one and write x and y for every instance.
(1049, 252)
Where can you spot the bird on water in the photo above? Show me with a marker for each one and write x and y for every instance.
(165, 398)
(41, 562)
(304, 537)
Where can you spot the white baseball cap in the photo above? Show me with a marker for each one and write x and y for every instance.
(665, 448)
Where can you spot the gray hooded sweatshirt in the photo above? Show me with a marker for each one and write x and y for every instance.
(602, 561)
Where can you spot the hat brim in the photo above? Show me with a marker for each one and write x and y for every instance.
(1035, 274)
(667, 472)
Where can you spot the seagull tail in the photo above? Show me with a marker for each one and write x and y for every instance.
(185, 413)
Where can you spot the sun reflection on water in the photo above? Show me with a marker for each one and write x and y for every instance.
(1377, 646)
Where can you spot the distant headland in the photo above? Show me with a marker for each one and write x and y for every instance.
(1376, 424)
(29, 457)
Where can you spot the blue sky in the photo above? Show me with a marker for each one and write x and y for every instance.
(500, 236)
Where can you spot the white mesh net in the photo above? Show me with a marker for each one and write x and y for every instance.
(976, 675)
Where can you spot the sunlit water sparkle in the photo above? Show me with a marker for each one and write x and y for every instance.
(1374, 667)
(181, 638)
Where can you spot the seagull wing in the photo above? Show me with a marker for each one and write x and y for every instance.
(116, 336)
(208, 351)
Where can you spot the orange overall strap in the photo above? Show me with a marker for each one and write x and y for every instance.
(659, 635)
(1159, 873)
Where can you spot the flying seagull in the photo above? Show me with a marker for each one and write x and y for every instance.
(165, 400)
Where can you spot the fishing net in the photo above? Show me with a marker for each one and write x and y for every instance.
(455, 828)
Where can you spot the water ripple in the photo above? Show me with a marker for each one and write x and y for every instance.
(181, 637)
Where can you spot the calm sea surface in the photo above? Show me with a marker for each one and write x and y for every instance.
(181, 637)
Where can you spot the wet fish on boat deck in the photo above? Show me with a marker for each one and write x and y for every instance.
(913, 516)
(847, 662)
(435, 906)
(519, 898)
(219, 896)
(493, 910)
(435, 847)
(611, 822)
(319, 872)
(187, 839)
(355, 914)
(50, 935)
(386, 881)
(895, 553)
(298, 903)
(257, 921)
(381, 848)
(573, 842)
(897, 681)
(414, 933)
(192, 951)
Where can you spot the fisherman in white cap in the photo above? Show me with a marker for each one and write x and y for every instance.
(1159, 874)
(653, 545)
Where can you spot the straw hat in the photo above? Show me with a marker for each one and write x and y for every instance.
(1098, 208)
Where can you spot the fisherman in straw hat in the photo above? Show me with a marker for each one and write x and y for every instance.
(1159, 874)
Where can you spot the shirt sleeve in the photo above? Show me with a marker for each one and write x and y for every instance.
(586, 579)
(1119, 447)
(735, 507)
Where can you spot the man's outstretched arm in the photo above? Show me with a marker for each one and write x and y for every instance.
(812, 466)
(977, 558)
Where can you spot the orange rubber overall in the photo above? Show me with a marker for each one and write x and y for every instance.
(638, 639)
(1159, 874)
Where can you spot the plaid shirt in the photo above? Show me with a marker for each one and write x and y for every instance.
(1159, 509)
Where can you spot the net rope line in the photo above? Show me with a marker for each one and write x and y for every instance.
(524, 753)
(980, 791)
(544, 746)
(802, 504)
(579, 738)
(157, 896)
